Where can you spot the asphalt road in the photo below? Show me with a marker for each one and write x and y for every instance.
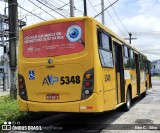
(142, 117)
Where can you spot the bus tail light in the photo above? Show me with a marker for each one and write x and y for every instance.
(88, 76)
(87, 92)
(22, 87)
(88, 84)
(20, 80)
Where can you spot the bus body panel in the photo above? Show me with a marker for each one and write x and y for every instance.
(109, 100)
(22, 105)
(148, 74)
(148, 78)
(133, 82)
(66, 83)
(142, 81)
(109, 88)
(89, 105)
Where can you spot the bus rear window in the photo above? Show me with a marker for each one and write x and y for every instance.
(54, 40)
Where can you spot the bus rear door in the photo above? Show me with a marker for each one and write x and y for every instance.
(119, 72)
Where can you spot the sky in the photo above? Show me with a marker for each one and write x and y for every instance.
(140, 17)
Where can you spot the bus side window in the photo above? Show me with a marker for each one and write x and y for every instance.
(145, 65)
(126, 57)
(141, 63)
(132, 59)
(105, 49)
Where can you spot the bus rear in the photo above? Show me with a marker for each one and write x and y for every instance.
(55, 67)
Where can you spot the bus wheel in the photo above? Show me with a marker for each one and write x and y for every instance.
(127, 105)
(144, 94)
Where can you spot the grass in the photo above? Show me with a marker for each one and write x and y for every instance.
(157, 76)
(9, 110)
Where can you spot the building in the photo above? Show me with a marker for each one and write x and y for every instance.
(155, 70)
(4, 50)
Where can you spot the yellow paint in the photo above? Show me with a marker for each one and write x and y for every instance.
(119, 88)
(147, 80)
(133, 82)
(109, 99)
(22, 105)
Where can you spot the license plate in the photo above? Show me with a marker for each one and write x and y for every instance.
(52, 96)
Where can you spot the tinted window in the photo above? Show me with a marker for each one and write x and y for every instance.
(126, 62)
(105, 41)
(105, 50)
(146, 65)
(141, 63)
(126, 51)
(131, 54)
(106, 58)
(126, 57)
(132, 59)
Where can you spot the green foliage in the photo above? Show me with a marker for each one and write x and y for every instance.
(157, 76)
(132, 63)
(9, 110)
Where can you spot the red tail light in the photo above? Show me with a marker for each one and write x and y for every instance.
(87, 83)
(21, 86)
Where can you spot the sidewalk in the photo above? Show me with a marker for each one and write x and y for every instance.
(3, 93)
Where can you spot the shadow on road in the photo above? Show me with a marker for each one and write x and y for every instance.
(77, 122)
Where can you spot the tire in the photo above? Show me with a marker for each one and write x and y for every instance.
(127, 105)
(144, 94)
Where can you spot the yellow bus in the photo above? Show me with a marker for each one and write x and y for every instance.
(148, 74)
(77, 65)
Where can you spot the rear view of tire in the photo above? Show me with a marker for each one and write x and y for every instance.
(127, 105)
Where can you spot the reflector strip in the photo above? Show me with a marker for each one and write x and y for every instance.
(86, 107)
(83, 107)
(89, 107)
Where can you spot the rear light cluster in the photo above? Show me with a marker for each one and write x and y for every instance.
(22, 87)
(88, 84)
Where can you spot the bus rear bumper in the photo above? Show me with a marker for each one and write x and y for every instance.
(87, 105)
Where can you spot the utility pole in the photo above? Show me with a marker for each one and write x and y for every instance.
(102, 8)
(105, 9)
(13, 28)
(71, 8)
(130, 37)
(85, 8)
